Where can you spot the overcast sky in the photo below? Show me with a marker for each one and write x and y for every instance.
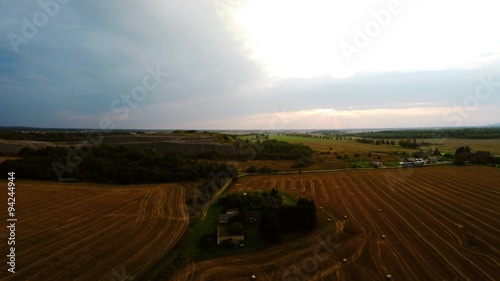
(256, 64)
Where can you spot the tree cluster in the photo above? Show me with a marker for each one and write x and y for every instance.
(409, 143)
(262, 169)
(281, 150)
(376, 142)
(276, 150)
(281, 219)
(249, 200)
(464, 154)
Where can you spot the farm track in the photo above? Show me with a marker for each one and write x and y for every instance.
(75, 232)
(426, 214)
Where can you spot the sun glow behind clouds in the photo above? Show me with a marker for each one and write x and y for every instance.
(303, 38)
(330, 118)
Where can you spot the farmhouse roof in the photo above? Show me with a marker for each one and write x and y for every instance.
(223, 234)
(232, 211)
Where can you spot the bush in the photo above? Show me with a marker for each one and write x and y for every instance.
(251, 169)
(302, 162)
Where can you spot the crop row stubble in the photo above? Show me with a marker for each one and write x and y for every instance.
(66, 228)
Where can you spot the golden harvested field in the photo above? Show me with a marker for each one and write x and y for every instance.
(440, 223)
(90, 231)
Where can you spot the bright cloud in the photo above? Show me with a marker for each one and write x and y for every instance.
(340, 38)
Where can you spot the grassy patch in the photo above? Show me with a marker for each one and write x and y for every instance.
(360, 164)
(195, 249)
(201, 227)
(288, 201)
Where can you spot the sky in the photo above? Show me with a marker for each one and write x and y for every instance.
(249, 64)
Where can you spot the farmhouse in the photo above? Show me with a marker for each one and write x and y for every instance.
(224, 235)
(413, 162)
(410, 159)
(431, 159)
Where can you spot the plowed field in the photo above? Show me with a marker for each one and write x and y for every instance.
(429, 223)
(91, 232)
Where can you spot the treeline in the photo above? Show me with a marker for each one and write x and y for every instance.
(464, 154)
(276, 150)
(128, 164)
(408, 143)
(112, 164)
(459, 133)
(319, 135)
(282, 219)
(281, 150)
(376, 142)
